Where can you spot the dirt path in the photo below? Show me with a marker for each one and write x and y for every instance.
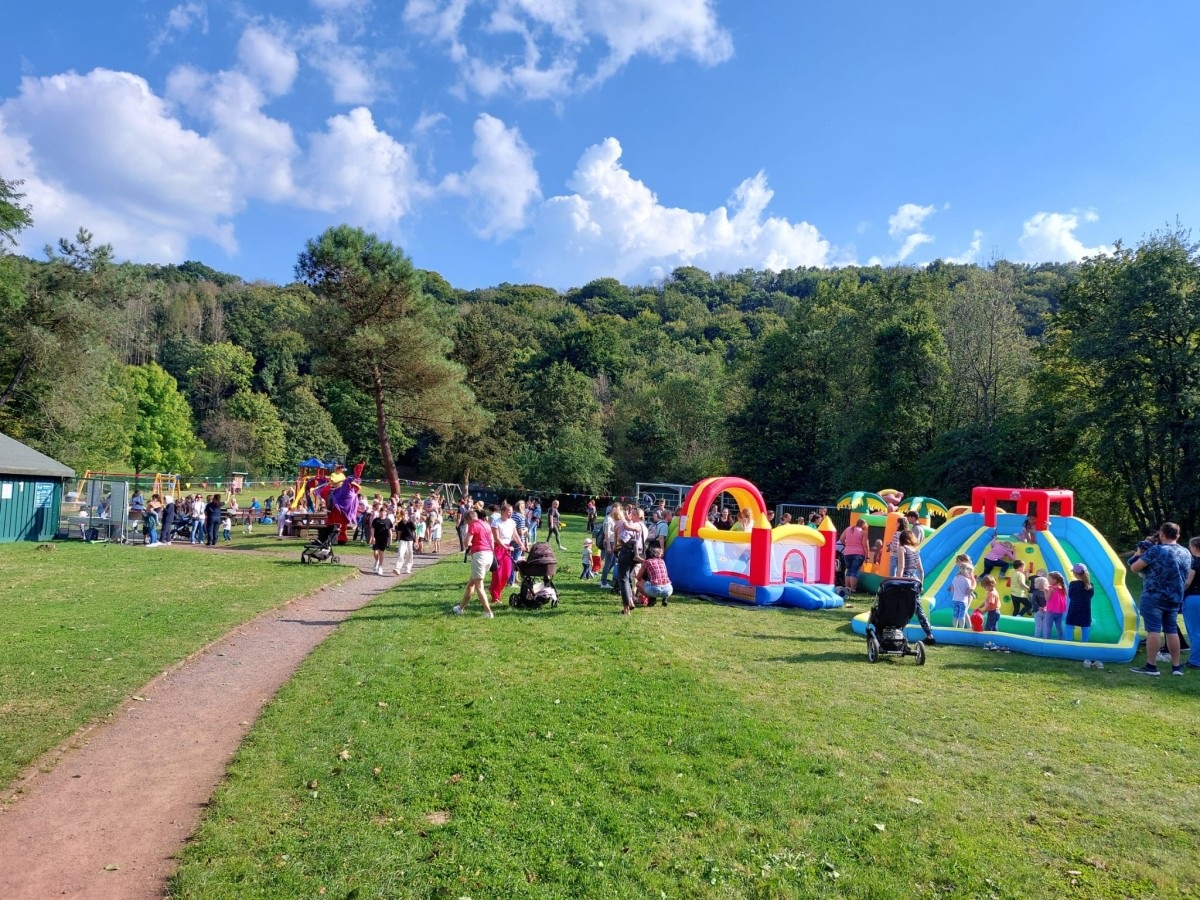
(109, 819)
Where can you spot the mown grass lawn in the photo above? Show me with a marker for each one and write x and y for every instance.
(695, 751)
(84, 625)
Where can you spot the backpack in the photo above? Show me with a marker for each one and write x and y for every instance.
(628, 552)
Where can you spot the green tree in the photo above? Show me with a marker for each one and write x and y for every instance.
(218, 372)
(564, 447)
(374, 327)
(308, 428)
(1123, 359)
(907, 380)
(988, 353)
(248, 428)
(163, 439)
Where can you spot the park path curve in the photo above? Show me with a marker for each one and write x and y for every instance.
(111, 816)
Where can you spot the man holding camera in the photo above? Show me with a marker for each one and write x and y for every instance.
(1166, 566)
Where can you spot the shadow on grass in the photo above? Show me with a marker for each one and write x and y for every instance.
(791, 638)
(826, 657)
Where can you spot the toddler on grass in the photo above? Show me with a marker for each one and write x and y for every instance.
(586, 572)
(226, 528)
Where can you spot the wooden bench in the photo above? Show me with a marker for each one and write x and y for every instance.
(303, 524)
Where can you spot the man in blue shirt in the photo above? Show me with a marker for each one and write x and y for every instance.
(1166, 566)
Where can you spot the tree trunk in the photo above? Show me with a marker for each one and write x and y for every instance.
(22, 368)
(385, 444)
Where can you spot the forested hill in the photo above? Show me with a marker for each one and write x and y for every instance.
(808, 382)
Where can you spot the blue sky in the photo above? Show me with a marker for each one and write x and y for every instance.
(557, 141)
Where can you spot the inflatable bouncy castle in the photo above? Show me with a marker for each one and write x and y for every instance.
(788, 565)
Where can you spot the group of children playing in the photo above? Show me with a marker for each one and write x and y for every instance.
(1049, 598)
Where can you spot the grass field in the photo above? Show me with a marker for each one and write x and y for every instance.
(695, 751)
(84, 625)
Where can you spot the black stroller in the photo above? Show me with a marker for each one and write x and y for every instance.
(182, 528)
(321, 549)
(895, 605)
(541, 563)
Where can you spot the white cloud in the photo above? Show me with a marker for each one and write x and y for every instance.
(266, 58)
(180, 20)
(262, 148)
(341, 6)
(907, 218)
(502, 184)
(560, 35)
(969, 255)
(614, 225)
(1050, 237)
(355, 169)
(101, 150)
(350, 75)
(429, 121)
(905, 225)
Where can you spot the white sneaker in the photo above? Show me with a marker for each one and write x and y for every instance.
(490, 614)
(1087, 663)
(408, 571)
(1097, 665)
(1163, 656)
(458, 610)
(395, 571)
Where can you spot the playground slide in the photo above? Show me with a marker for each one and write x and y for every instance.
(1067, 541)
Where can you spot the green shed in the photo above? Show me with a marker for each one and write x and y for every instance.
(31, 492)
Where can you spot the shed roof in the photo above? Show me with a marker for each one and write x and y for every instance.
(18, 459)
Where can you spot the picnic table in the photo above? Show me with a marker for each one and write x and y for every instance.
(300, 523)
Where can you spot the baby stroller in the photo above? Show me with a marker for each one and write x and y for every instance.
(895, 604)
(321, 549)
(182, 528)
(541, 563)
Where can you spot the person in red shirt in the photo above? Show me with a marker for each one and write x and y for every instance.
(653, 581)
(480, 546)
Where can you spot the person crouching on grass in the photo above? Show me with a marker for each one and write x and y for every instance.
(480, 546)
(653, 581)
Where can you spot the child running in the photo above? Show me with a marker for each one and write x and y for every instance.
(1056, 605)
(1079, 608)
(991, 603)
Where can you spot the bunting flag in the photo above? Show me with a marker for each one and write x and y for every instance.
(221, 482)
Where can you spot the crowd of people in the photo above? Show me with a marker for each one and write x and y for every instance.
(194, 519)
(625, 548)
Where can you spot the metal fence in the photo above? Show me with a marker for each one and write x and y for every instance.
(801, 511)
(99, 511)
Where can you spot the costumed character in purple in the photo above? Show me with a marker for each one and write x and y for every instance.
(341, 500)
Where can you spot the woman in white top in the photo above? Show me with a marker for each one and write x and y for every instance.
(631, 541)
(504, 532)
